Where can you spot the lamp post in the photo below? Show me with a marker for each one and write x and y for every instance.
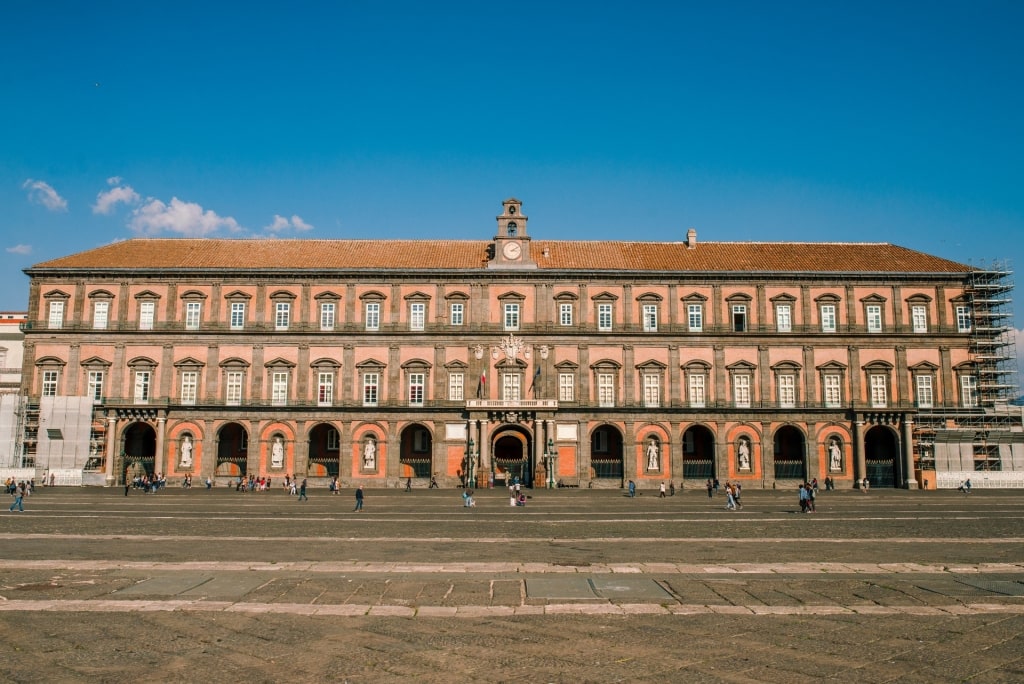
(552, 458)
(470, 463)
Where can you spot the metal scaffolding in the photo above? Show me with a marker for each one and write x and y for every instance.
(989, 292)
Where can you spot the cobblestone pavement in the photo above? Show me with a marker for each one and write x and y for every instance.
(579, 585)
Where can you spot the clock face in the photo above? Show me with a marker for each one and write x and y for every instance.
(512, 250)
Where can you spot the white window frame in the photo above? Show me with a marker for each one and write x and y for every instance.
(969, 391)
(189, 387)
(741, 390)
(100, 314)
(832, 389)
(873, 315)
(279, 388)
(328, 312)
(697, 390)
(739, 318)
(371, 389)
(695, 317)
(919, 318)
(95, 386)
(828, 318)
(565, 314)
(143, 386)
(417, 388)
(783, 318)
(567, 387)
(56, 315)
(417, 315)
(51, 378)
(456, 315)
(652, 390)
(236, 319)
(193, 315)
(147, 315)
(963, 319)
(787, 390)
(511, 386)
(282, 315)
(372, 315)
(650, 317)
(604, 317)
(606, 389)
(325, 388)
(925, 391)
(456, 386)
(233, 385)
(879, 389)
(511, 316)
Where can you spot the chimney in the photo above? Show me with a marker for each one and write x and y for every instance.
(691, 238)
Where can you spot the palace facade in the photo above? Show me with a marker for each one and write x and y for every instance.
(557, 362)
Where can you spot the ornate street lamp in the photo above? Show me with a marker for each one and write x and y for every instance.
(552, 458)
(470, 463)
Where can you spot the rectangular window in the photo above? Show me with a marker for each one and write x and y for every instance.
(511, 386)
(371, 387)
(192, 313)
(50, 383)
(417, 315)
(963, 319)
(333, 440)
(96, 386)
(787, 391)
(566, 387)
(879, 392)
(650, 314)
(456, 386)
(147, 313)
(325, 388)
(233, 395)
(606, 389)
(919, 317)
(695, 317)
(189, 387)
(511, 316)
(56, 315)
(739, 317)
(565, 314)
(652, 391)
(741, 390)
(604, 317)
(142, 386)
(828, 318)
(373, 315)
(282, 315)
(279, 388)
(969, 391)
(100, 310)
(237, 315)
(833, 391)
(416, 386)
(697, 395)
(874, 316)
(925, 394)
(456, 316)
(783, 318)
(327, 310)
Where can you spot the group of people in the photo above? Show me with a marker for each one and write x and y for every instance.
(808, 493)
(146, 482)
(732, 496)
(965, 486)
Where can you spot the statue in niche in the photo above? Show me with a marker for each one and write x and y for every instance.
(652, 454)
(835, 456)
(744, 454)
(185, 459)
(370, 454)
(277, 453)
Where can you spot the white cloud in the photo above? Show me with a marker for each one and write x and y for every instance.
(42, 193)
(281, 224)
(20, 249)
(107, 201)
(184, 218)
(114, 180)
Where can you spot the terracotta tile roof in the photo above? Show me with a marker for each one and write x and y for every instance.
(404, 255)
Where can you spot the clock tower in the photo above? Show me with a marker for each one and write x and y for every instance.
(512, 243)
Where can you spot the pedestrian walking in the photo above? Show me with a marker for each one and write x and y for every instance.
(19, 497)
(661, 494)
(359, 499)
(671, 488)
(632, 489)
(711, 490)
(730, 500)
(408, 484)
(302, 491)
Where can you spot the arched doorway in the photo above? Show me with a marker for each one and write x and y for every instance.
(139, 450)
(881, 457)
(698, 453)
(232, 451)
(512, 458)
(416, 450)
(606, 454)
(324, 451)
(790, 454)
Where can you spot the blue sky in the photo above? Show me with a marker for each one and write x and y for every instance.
(788, 121)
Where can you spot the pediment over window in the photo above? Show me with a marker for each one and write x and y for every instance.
(739, 297)
(741, 366)
(144, 361)
(193, 294)
(237, 294)
(370, 364)
(697, 366)
(965, 367)
(919, 298)
(57, 294)
(101, 294)
(373, 296)
(189, 362)
(511, 294)
(510, 364)
(604, 297)
(51, 361)
(234, 362)
(649, 297)
(606, 364)
(877, 366)
(786, 366)
(831, 366)
(457, 296)
(325, 362)
(147, 294)
(415, 364)
(566, 296)
(873, 298)
(827, 298)
(784, 298)
(96, 362)
(417, 297)
(651, 365)
(694, 298)
(279, 363)
(282, 294)
(923, 367)
(566, 366)
(328, 295)
(456, 365)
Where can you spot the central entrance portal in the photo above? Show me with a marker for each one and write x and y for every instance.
(512, 458)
